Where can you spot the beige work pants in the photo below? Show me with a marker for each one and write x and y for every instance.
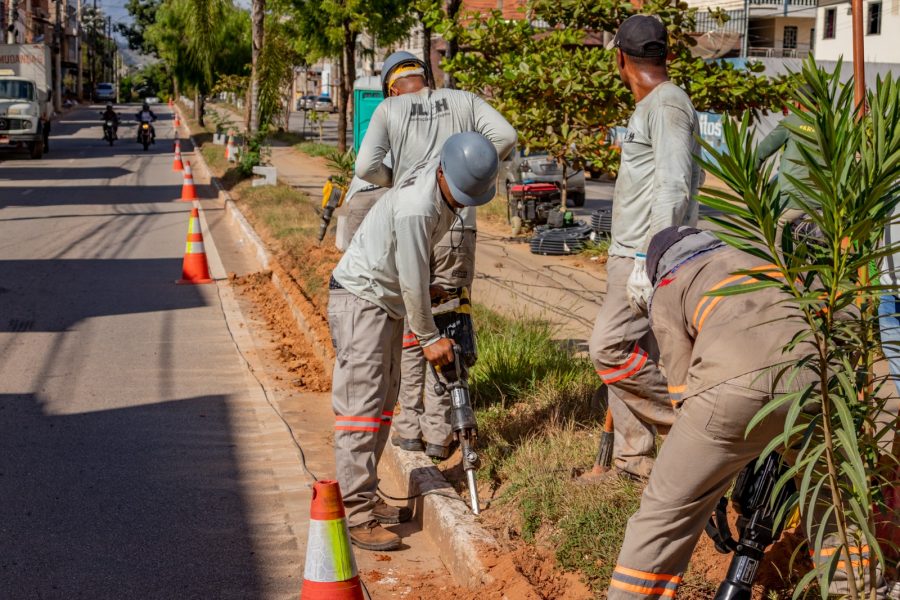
(364, 391)
(424, 413)
(623, 350)
(705, 450)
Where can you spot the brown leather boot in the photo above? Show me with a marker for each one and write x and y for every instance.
(390, 515)
(372, 536)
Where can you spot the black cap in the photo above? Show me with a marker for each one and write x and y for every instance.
(643, 36)
(660, 243)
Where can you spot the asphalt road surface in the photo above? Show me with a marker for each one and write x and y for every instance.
(134, 460)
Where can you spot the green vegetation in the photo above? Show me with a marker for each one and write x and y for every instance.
(839, 423)
(597, 249)
(564, 96)
(315, 148)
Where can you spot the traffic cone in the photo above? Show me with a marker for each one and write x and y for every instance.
(331, 571)
(177, 121)
(194, 269)
(188, 191)
(177, 165)
(229, 149)
(171, 103)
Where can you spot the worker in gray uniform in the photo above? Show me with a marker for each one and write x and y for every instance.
(656, 187)
(411, 125)
(383, 277)
(721, 386)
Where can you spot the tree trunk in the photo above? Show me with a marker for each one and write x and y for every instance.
(258, 17)
(197, 106)
(426, 53)
(348, 76)
(453, 7)
(565, 186)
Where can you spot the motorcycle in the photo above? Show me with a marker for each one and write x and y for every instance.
(145, 136)
(109, 131)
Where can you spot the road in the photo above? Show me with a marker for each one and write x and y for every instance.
(138, 457)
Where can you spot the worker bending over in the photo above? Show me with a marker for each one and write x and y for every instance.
(409, 126)
(382, 278)
(726, 357)
(656, 188)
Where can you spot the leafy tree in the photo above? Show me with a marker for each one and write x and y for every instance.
(839, 425)
(564, 96)
(331, 29)
(143, 15)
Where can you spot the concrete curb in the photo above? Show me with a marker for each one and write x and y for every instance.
(466, 547)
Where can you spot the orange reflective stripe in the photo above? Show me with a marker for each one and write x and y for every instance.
(355, 428)
(639, 589)
(677, 389)
(705, 306)
(833, 549)
(635, 361)
(366, 419)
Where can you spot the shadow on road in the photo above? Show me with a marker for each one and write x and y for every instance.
(138, 502)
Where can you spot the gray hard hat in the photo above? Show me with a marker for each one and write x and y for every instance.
(398, 59)
(470, 164)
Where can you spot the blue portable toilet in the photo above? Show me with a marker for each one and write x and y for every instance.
(366, 98)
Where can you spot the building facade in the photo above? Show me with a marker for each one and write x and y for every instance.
(834, 30)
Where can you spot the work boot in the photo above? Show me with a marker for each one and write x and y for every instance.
(387, 514)
(437, 451)
(372, 536)
(408, 444)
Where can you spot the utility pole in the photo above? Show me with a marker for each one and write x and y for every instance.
(10, 22)
(79, 81)
(859, 61)
(745, 42)
(57, 57)
(109, 46)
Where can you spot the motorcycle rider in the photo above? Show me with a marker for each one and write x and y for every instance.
(110, 115)
(146, 116)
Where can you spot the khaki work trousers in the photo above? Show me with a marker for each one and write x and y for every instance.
(697, 464)
(354, 212)
(424, 413)
(364, 391)
(623, 349)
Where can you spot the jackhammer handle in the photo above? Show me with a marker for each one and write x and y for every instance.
(608, 422)
(439, 388)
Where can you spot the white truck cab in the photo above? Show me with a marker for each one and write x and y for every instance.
(25, 107)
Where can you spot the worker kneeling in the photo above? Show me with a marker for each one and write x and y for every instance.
(725, 359)
(383, 276)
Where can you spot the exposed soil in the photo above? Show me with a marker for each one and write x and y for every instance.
(523, 573)
(292, 349)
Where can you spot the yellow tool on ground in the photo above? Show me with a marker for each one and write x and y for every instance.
(332, 197)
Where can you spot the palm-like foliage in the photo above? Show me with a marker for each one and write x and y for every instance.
(837, 426)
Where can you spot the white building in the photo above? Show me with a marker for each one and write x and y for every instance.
(881, 25)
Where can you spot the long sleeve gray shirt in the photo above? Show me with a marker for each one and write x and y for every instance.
(658, 177)
(411, 128)
(387, 262)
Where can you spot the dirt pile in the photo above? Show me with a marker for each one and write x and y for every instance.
(291, 348)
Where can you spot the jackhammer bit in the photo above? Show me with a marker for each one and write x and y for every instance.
(462, 416)
(332, 198)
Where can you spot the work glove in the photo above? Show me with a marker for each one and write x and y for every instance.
(639, 287)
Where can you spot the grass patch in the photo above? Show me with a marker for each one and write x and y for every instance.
(598, 249)
(494, 212)
(315, 148)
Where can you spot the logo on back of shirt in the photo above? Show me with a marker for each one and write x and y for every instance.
(438, 109)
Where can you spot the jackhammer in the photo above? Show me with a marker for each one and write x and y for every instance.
(457, 326)
(757, 524)
(332, 197)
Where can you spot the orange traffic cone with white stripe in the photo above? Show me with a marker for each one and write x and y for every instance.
(177, 165)
(171, 103)
(177, 121)
(188, 191)
(331, 572)
(230, 149)
(194, 269)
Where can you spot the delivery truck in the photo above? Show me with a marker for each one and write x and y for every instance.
(25, 94)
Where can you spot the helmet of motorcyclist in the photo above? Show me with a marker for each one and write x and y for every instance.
(109, 106)
(401, 64)
(145, 106)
